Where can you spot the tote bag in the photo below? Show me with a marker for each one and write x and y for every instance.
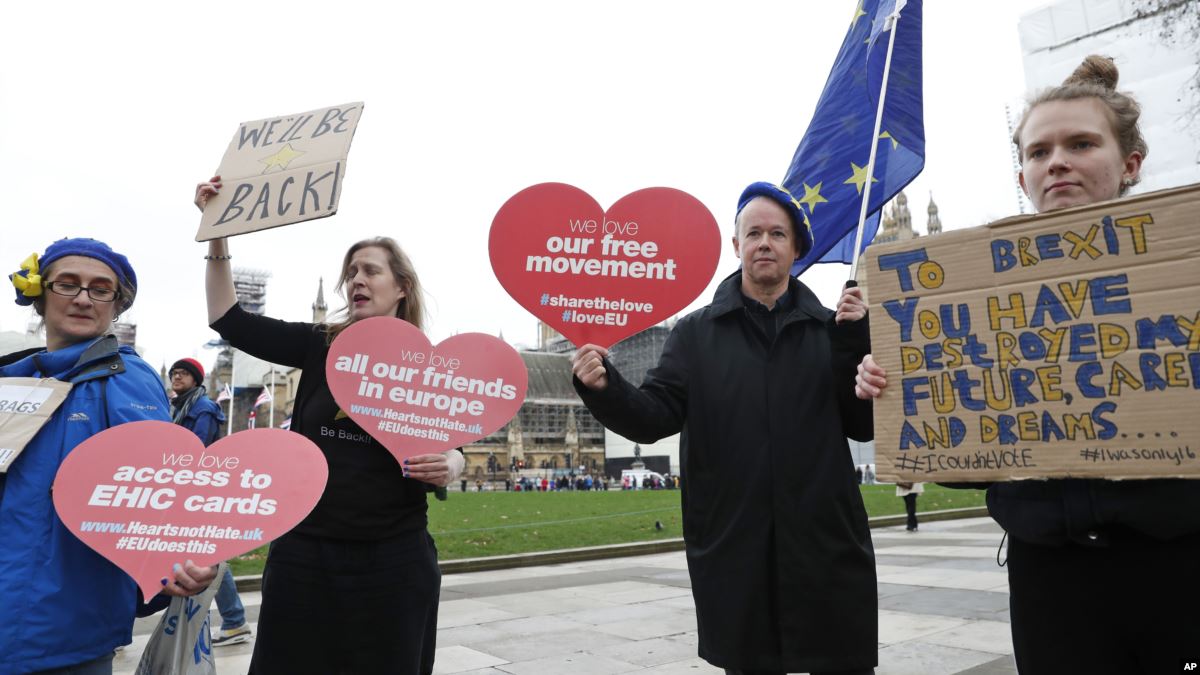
(181, 643)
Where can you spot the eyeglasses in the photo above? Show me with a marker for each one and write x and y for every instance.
(70, 290)
(178, 373)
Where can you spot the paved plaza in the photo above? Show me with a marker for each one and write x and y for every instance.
(943, 608)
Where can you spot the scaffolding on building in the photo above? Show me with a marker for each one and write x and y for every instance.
(250, 285)
(251, 288)
(551, 341)
(637, 354)
(547, 421)
(126, 333)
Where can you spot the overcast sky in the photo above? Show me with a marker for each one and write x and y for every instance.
(111, 112)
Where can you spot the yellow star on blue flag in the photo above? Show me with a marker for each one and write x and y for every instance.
(837, 143)
(812, 196)
(858, 177)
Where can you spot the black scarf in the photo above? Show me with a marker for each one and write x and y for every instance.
(182, 403)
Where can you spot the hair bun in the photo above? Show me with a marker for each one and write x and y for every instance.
(1095, 69)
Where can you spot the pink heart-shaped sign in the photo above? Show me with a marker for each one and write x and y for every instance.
(147, 495)
(600, 276)
(415, 398)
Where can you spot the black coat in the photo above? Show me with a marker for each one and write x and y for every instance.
(778, 549)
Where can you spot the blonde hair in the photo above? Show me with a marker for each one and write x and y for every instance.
(1096, 78)
(412, 305)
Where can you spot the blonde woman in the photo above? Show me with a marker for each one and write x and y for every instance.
(354, 587)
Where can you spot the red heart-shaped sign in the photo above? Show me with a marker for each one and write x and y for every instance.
(600, 276)
(147, 495)
(415, 398)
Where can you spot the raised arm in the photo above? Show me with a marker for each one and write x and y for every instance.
(282, 342)
(643, 414)
(218, 273)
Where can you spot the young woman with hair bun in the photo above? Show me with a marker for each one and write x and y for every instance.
(1102, 574)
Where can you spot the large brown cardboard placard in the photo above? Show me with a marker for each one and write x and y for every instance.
(281, 170)
(1060, 345)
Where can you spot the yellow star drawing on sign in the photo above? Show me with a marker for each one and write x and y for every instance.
(281, 159)
(888, 135)
(859, 178)
(812, 196)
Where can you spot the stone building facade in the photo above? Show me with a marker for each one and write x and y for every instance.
(553, 431)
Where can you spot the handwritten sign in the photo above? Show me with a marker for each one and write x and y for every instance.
(1060, 345)
(281, 170)
(26, 403)
(415, 398)
(600, 276)
(147, 495)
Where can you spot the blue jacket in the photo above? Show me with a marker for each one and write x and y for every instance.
(204, 419)
(61, 603)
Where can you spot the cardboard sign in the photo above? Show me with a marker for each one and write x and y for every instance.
(26, 403)
(417, 399)
(147, 495)
(600, 276)
(281, 170)
(1059, 345)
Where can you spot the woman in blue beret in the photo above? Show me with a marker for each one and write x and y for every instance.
(63, 607)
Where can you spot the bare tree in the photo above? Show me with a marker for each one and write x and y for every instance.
(1178, 23)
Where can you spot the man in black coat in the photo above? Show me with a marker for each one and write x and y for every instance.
(761, 384)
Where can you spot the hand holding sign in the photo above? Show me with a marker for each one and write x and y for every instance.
(148, 495)
(1062, 345)
(415, 398)
(281, 170)
(600, 276)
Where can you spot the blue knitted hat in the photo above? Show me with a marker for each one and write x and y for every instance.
(88, 248)
(781, 196)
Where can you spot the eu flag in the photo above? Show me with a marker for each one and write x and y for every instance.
(829, 169)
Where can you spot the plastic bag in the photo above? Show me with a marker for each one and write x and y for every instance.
(181, 643)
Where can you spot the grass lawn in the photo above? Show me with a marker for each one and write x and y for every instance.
(475, 524)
